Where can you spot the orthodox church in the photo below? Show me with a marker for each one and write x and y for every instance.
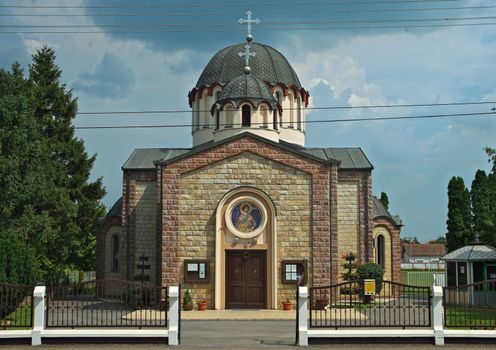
(248, 211)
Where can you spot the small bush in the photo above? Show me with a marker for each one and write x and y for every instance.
(373, 272)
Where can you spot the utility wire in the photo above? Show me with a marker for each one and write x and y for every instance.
(202, 14)
(413, 117)
(304, 3)
(220, 25)
(166, 30)
(309, 108)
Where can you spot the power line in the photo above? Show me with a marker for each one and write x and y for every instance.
(305, 3)
(408, 105)
(220, 25)
(190, 14)
(413, 117)
(163, 30)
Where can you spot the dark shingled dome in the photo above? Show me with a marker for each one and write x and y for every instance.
(268, 65)
(246, 86)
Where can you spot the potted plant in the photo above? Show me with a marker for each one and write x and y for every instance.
(202, 304)
(187, 301)
(320, 303)
(287, 304)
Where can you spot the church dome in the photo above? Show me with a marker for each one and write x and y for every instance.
(246, 86)
(269, 65)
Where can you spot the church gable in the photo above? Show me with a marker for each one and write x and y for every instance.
(201, 191)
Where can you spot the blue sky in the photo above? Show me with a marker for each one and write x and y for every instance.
(148, 58)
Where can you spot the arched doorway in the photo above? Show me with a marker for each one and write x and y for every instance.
(245, 254)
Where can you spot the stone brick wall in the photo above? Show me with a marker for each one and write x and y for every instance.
(130, 197)
(362, 204)
(171, 183)
(145, 227)
(202, 189)
(348, 221)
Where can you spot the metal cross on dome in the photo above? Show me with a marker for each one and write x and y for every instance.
(247, 54)
(249, 21)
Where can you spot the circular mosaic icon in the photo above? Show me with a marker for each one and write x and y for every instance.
(246, 217)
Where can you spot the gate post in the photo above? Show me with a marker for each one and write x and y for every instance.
(173, 315)
(38, 315)
(437, 314)
(303, 316)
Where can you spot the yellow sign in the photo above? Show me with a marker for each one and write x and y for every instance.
(369, 287)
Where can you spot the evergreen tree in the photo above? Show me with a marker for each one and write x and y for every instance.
(491, 184)
(46, 198)
(481, 211)
(384, 200)
(459, 215)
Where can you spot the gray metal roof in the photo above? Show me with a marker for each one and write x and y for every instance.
(246, 87)
(474, 252)
(268, 65)
(143, 158)
(378, 210)
(349, 158)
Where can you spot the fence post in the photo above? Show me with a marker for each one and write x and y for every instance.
(173, 315)
(38, 315)
(303, 316)
(437, 314)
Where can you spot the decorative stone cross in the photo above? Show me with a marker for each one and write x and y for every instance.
(249, 21)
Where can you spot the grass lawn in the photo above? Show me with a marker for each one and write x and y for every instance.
(21, 317)
(470, 317)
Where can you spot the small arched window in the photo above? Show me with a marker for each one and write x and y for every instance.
(115, 253)
(264, 111)
(291, 110)
(246, 116)
(380, 252)
(229, 116)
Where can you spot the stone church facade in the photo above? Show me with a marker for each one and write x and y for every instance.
(248, 211)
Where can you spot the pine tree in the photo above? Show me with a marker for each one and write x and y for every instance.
(75, 203)
(47, 203)
(459, 215)
(384, 200)
(480, 200)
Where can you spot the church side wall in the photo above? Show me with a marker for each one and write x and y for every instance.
(146, 230)
(138, 200)
(354, 216)
(201, 191)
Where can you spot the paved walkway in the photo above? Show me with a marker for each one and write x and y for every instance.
(238, 315)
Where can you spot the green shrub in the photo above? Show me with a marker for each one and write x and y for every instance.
(370, 271)
(187, 297)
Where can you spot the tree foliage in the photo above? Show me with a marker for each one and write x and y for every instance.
(481, 205)
(48, 206)
(459, 215)
(384, 200)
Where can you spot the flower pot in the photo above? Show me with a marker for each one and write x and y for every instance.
(187, 307)
(202, 306)
(287, 306)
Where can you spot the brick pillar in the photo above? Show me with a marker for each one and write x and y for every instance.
(321, 238)
(170, 226)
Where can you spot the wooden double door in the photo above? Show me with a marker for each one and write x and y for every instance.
(245, 279)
